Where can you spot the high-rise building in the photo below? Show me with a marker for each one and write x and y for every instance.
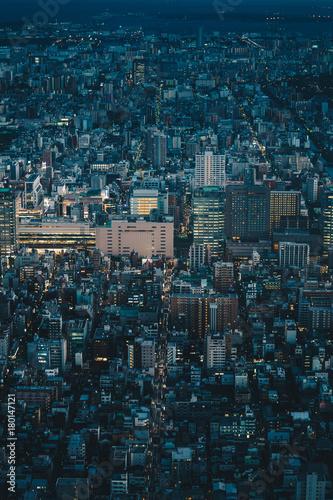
(175, 208)
(140, 71)
(310, 486)
(215, 350)
(141, 353)
(8, 220)
(250, 176)
(312, 184)
(293, 254)
(195, 309)
(200, 36)
(327, 217)
(33, 192)
(156, 147)
(223, 276)
(197, 257)
(144, 200)
(205, 312)
(208, 219)
(55, 325)
(58, 354)
(148, 353)
(209, 170)
(76, 336)
(283, 204)
(247, 212)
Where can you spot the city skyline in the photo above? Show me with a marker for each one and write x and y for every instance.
(166, 250)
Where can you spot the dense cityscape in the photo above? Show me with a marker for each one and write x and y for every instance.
(166, 260)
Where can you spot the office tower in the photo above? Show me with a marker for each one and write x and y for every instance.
(55, 325)
(293, 254)
(312, 184)
(209, 170)
(47, 353)
(77, 330)
(310, 486)
(156, 147)
(250, 176)
(223, 276)
(9, 204)
(58, 354)
(283, 204)
(327, 216)
(16, 170)
(208, 219)
(143, 201)
(319, 318)
(140, 71)
(247, 212)
(215, 350)
(200, 36)
(197, 257)
(33, 192)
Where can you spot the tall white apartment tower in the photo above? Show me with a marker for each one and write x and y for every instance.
(312, 183)
(215, 350)
(209, 170)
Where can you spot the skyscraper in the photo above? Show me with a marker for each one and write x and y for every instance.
(8, 220)
(200, 36)
(156, 147)
(247, 212)
(283, 203)
(209, 170)
(208, 219)
(312, 184)
(327, 216)
(140, 71)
